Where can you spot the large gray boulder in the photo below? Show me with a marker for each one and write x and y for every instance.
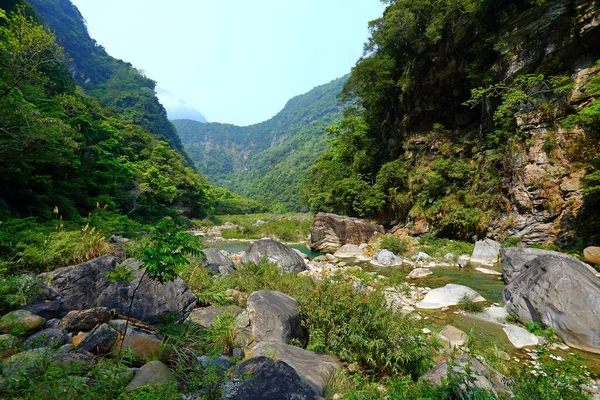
(274, 317)
(266, 379)
(314, 369)
(485, 253)
(514, 260)
(217, 261)
(385, 258)
(329, 232)
(153, 373)
(449, 295)
(100, 340)
(86, 286)
(285, 258)
(559, 292)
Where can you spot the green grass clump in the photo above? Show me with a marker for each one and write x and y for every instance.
(466, 303)
(397, 245)
(282, 227)
(439, 247)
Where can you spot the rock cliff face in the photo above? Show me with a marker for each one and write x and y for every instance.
(330, 232)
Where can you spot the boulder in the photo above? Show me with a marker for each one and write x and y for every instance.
(592, 255)
(463, 260)
(218, 261)
(449, 295)
(515, 260)
(86, 286)
(314, 369)
(100, 340)
(21, 320)
(329, 232)
(422, 256)
(349, 251)
(285, 258)
(485, 253)
(47, 338)
(153, 373)
(488, 271)
(520, 337)
(48, 309)
(84, 320)
(559, 292)
(144, 347)
(484, 376)
(206, 316)
(274, 317)
(385, 258)
(452, 337)
(418, 273)
(266, 379)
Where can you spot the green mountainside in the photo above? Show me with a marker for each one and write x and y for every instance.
(470, 119)
(267, 161)
(116, 83)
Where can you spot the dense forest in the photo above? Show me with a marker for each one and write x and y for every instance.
(268, 161)
(452, 104)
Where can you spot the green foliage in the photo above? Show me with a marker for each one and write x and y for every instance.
(286, 228)
(439, 247)
(396, 245)
(221, 334)
(466, 303)
(359, 328)
(17, 291)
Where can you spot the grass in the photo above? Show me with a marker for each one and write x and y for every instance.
(466, 303)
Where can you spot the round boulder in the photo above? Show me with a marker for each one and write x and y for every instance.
(285, 258)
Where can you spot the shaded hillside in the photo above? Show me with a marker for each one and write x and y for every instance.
(266, 161)
(472, 119)
(117, 83)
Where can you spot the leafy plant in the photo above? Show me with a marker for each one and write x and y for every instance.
(466, 303)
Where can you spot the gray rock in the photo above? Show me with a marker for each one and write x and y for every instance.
(515, 260)
(47, 338)
(36, 361)
(153, 373)
(463, 260)
(226, 270)
(559, 292)
(118, 239)
(452, 337)
(422, 256)
(274, 317)
(48, 309)
(386, 258)
(86, 286)
(52, 323)
(485, 253)
(99, 340)
(329, 232)
(314, 369)
(216, 258)
(21, 320)
(207, 315)
(484, 376)
(266, 379)
(275, 252)
(449, 295)
(238, 353)
(418, 273)
(520, 337)
(216, 364)
(349, 251)
(84, 320)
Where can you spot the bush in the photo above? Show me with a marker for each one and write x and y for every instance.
(17, 291)
(396, 245)
(359, 328)
(466, 303)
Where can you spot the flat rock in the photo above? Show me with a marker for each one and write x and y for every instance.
(449, 295)
(485, 253)
(488, 271)
(452, 337)
(274, 317)
(385, 258)
(266, 379)
(520, 337)
(21, 320)
(329, 232)
(418, 273)
(349, 251)
(314, 369)
(284, 257)
(153, 373)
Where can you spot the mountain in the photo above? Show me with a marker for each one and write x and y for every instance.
(267, 161)
(113, 81)
(178, 108)
(472, 119)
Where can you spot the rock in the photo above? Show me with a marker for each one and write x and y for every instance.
(153, 373)
(418, 273)
(484, 376)
(349, 251)
(488, 271)
(449, 257)
(485, 253)
(329, 232)
(99, 340)
(274, 317)
(47, 338)
(592, 255)
(144, 347)
(520, 337)
(206, 316)
(76, 340)
(118, 239)
(385, 258)
(8, 345)
(314, 369)
(84, 320)
(36, 362)
(275, 252)
(217, 260)
(21, 320)
(266, 379)
(515, 260)
(238, 353)
(559, 292)
(463, 260)
(449, 295)
(452, 337)
(217, 365)
(495, 314)
(48, 309)
(86, 286)
(422, 256)
(53, 323)
(331, 258)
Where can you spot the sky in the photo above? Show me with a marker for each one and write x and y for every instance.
(236, 61)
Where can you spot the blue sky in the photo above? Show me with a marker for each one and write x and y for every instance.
(235, 61)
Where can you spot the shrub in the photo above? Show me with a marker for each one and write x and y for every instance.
(397, 245)
(359, 328)
(17, 290)
(466, 303)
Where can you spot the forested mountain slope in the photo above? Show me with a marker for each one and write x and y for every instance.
(116, 83)
(472, 118)
(266, 161)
